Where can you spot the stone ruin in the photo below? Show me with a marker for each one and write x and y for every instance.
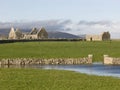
(105, 36)
(34, 34)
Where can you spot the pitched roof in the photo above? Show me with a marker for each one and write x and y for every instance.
(34, 31)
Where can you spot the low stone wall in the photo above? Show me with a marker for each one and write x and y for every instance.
(28, 61)
(111, 60)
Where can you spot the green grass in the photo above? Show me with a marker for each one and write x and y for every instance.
(60, 49)
(36, 79)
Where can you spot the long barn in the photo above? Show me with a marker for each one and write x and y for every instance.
(102, 37)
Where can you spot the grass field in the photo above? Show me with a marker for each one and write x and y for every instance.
(36, 79)
(60, 49)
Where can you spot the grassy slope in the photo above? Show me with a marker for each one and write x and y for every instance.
(34, 79)
(60, 49)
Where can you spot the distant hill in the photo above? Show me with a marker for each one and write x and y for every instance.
(51, 34)
(4, 31)
(7, 30)
(61, 35)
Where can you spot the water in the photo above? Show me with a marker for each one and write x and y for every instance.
(93, 69)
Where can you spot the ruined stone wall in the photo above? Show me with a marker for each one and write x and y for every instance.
(101, 37)
(111, 60)
(28, 61)
(30, 37)
(12, 34)
(93, 37)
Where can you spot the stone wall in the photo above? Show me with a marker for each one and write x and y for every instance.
(105, 36)
(30, 36)
(94, 37)
(111, 60)
(28, 61)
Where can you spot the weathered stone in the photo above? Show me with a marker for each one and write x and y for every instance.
(28, 61)
(111, 60)
(102, 37)
(34, 34)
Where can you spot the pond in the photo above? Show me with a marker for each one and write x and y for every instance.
(93, 69)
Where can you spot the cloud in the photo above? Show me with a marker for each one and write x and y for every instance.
(85, 27)
(106, 23)
(51, 25)
(82, 27)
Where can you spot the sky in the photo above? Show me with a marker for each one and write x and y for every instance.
(87, 11)
(90, 10)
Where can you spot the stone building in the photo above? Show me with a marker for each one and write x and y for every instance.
(102, 37)
(34, 34)
(15, 34)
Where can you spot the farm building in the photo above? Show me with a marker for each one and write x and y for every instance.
(102, 37)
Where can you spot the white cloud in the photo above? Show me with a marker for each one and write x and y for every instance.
(85, 27)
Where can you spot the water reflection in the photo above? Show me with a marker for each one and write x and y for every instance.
(93, 69)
